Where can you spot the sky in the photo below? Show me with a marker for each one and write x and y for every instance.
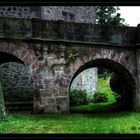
(131, 14)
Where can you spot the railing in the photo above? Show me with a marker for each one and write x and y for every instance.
(66, 31)
(14, 27)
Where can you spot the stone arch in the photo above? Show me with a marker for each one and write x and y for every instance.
(120, 70)
(22, 51)
(17, 86)
(124, 57)
(9, 53)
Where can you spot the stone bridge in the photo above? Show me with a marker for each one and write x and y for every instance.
(56, 52)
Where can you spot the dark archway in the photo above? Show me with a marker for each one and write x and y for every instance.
(126, 79)
(5, 57)
(15, 77)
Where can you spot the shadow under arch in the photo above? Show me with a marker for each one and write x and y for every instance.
(6, 57)
(120, 71)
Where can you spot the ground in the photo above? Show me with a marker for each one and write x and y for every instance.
(96, 123)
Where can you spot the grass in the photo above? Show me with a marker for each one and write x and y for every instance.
(103, 87)
(96, 123)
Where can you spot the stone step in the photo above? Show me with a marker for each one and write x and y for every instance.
(19, 106)
(19, 102)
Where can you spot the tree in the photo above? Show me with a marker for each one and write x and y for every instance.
(2, 106)
(108, 15)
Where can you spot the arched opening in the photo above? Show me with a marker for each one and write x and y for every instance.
(15, 78)
(122, 82)
(5, 57)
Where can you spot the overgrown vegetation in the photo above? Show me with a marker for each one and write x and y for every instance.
(103, 99)
(78, 97)
(4, 115)
(2, 106)
(71, 55)
(99, 97)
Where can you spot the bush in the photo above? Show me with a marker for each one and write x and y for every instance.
(117, 96)
(78, 97)
(90, 98)
(100, 97)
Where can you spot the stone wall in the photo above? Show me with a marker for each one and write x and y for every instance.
(16, 11)
(52, 83)
(86, 80)
(53, 73)
(16, 82)
(57, 69)
(82, 14)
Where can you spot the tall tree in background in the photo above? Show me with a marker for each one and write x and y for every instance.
(108, 15)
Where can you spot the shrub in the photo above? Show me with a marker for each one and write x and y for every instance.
(78, 97)
(117, 96)
(90, 98)
(100, 97)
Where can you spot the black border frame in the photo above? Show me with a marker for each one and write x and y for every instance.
(70, 3)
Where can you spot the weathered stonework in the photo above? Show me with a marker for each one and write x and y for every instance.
(82, 14)
(55, 76)
(16, 11)
(62, 50)
(86, 80)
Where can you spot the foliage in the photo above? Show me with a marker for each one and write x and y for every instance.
(104, 73)
(72, 55)
(103, 87)
(108, 15)
(90, 98)
(100, 97)
(117, 96)
(78, 97)
(7, 117)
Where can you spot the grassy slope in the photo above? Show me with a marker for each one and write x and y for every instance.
(102, 88)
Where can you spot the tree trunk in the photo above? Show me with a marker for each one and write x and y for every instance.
(2, 106)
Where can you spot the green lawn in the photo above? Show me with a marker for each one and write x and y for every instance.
(103, 87)
(96, 123)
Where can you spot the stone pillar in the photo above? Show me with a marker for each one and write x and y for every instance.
(56, 91)
(38, 91)
(51, 83)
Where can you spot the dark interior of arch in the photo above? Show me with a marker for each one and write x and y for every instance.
(124, 84)
(5, 57)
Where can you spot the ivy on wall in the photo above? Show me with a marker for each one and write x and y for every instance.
(71, 55)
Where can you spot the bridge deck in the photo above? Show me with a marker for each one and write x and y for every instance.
(44, 30)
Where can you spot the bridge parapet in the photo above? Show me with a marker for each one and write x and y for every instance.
(67, 31)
